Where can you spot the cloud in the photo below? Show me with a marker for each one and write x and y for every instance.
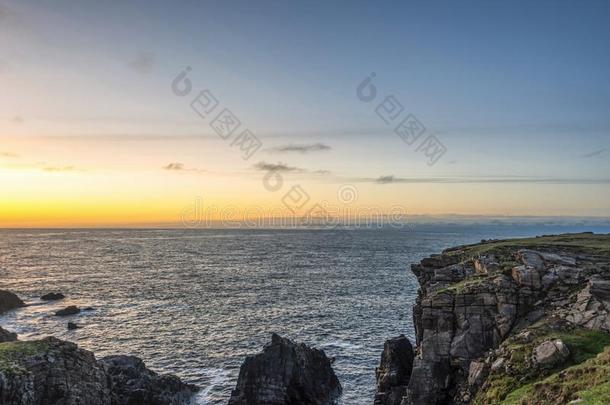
(8, 155)
(389, 179)
(277, 167)
(174, 166)
(322, 172)
(59, 169)
(385, 179)
(17, 119)
(143, 63)
(307, 148)
(594, 153)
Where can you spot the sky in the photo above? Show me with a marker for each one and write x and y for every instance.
(510, 100)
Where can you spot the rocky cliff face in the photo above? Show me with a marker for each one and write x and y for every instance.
(52, 371)
(498, 316)
(394, 371)
(286, 373)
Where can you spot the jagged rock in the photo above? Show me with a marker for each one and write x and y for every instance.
(394, 371)
(51, 371)
(53, 296)
(6, 336)
(286, 373)
(72, 326)
(477, 373)
(9, 301)
(486, 264)
(531, 259)
(527, 276)
(467, 306)
(551, 353)
(55, 372)
(131, 383)
(71, 310)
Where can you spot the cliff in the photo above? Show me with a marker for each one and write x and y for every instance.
(515, 321)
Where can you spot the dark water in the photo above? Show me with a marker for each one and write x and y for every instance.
(195, 303)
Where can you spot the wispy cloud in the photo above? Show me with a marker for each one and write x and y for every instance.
(181, 167)
(277, 167)
(17, 119)
(8, 155)
(385, 179)
(594, 153)
(174, 166)
(302, 148)
(59, 169)
(143, 63)
(391, 179)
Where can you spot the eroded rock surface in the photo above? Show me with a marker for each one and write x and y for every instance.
(394, 371)
(286, 373)
(473, 298)
(55, 372)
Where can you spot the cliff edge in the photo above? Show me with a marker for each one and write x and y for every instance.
(523, 321)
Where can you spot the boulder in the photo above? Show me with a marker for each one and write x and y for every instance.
(51, 371)
(286, 373)
(551, 353)
(72, 326)
(6, 336)
(131, 383)
(71, 310)
(53, 296)
(394, 371)
(9, 301)
(477, 372)
(55, 372)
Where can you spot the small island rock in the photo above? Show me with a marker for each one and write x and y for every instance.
(286, 373)
(71, 310)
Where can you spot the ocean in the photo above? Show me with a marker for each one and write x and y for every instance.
(196, 302)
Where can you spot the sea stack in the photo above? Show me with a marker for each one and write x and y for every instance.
(286, 373)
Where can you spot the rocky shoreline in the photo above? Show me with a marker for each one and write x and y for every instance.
(522, 321)
(516, 322)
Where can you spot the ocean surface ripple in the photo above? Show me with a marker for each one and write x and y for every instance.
(196, 302)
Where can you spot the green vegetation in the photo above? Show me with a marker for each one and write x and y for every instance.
(589, 381)
(12, 352)
(518, 386)
(577, 242)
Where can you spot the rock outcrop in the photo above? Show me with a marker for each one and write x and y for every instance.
(52, 371)
(9, 301)
(130, 382)
(71, 310)
(286, 373)
(6, 336)
(394, 371)
(479, 306)
(53, 296)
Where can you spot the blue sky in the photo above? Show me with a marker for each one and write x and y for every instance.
(512, 89)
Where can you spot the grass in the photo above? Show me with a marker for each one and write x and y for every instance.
(12, 352)
(589, 381)
(517, 387)
(577, 242)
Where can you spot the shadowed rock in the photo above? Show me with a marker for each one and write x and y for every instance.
(9, 301)
(71, 310)
(394, 371)
(52, 371)
(132, 383)
(286, 373)
(6, 336)
(53, 296)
